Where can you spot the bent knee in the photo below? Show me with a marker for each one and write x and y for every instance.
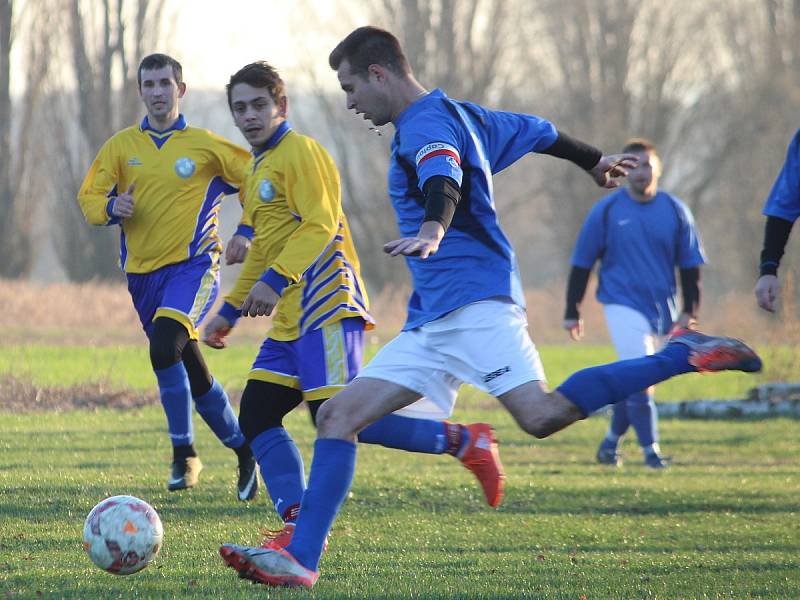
(333, 422)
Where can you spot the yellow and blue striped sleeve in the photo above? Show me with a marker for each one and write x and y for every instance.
(313, 193)
(99, 185)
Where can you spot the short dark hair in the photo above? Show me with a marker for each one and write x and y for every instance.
(367, 46)
(640, 145)
(259, 74)
(159, 61)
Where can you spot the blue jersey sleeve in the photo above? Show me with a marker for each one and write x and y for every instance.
(591, 241)
(434, 146)
(784, 199)
(690, 248)
(512, 135)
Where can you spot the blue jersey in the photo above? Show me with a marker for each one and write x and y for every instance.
(468, 143)
(639, 245)
(784, 199)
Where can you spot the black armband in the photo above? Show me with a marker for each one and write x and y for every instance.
(690, 287)
(582, 154)
(776, 234)
(441, 198)
(576, 288)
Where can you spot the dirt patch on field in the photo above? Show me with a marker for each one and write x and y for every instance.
(19, 396)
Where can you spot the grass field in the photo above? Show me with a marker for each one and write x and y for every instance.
(722, 523)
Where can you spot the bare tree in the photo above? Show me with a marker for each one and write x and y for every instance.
(18, 128)
(106, 41)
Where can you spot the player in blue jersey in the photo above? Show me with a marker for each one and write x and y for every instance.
(640, 234)
(782, 209)
(466, 321)
(174, 178)
(304, 271)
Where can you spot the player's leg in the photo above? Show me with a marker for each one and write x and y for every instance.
(215, 408)
(332, 358)
(272, 391)
(541, 413)
(263, 407)
(167, 339)
(188, 295)
(632, 337)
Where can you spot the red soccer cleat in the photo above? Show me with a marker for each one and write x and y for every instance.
(270, 566)
(717, 353)
(482, 457)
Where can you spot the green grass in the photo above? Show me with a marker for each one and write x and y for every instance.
(128, 366)
(722, 523)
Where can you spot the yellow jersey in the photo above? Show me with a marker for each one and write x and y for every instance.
(181, 176)
(302, 245)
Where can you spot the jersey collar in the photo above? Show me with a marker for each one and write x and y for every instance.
(178, 125)
(418, 104)
(274, 139)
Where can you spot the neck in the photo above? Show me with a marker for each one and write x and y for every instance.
(644, 196)
(165, 122)
(409, 90)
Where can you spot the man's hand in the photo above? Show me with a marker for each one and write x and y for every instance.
(575, 328)
(768, 290)
(609, 169)
(424, 244)
(123, 204)
(236, 250)
(216, 331)
(260, 301)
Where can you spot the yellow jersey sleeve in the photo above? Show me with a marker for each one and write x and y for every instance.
(99, 185)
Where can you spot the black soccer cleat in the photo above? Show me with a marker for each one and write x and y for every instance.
(184, 474)
(247, 484)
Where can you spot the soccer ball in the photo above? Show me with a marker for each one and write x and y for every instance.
(122, 534)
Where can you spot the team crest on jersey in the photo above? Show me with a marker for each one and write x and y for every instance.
(185, 167)
(266, 191)
(437, 149)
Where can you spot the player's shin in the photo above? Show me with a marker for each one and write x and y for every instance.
(329, 481)
(593, 388)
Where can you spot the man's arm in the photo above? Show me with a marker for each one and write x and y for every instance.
(605, 170)
(442, 195)
(690, 288)
(98, 197)
(776, 235)
(576, 289)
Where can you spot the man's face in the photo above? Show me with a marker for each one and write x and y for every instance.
(160, 93)
(365, 95)
(643, 179)
(255, 113)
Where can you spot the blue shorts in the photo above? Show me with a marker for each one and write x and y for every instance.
(319, 363)
(184, 292)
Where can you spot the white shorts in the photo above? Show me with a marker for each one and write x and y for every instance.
(631, 332)
(485, 344)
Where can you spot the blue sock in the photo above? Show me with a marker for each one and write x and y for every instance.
(281, 469)
(592, 388)
(176, 398)
(329, 481)
(644, 417)
(216, 410)
(619, 419)
(405, 433)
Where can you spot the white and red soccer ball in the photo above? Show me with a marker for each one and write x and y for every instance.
(122, 534)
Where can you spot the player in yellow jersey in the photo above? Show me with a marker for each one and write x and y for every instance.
(162, 182)
(303, 264)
